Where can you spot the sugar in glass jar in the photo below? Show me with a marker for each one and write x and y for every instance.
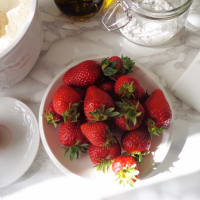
(147, 22)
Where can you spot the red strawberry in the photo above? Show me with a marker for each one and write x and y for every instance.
(117, 60)
(65, 102)
(97, 133)
(103, 156)
(107, 86)
(84, 74)
(81, 91)
(158, 111)
(51, 116)
(97, 154)
(71, 136)
(131, 115)
(129, 87)
(137, 143)
(125, 168)
(98, 105)
(115, 66)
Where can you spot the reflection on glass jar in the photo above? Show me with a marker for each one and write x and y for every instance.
(147, 22)
(81, 9)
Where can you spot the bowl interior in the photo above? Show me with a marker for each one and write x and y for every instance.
(19, 139)
(8, 5)
(83, 166)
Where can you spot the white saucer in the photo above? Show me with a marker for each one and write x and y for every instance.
(19, 139)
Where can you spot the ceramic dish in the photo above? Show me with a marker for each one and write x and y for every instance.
(19, 139)
(83, 167)
(16, 61)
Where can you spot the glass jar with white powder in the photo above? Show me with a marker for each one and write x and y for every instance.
(147, 22)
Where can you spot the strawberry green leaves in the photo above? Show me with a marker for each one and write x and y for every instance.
(130, 112)
(72, 113)
(127, 90)
(75, 150)
(139, 156)
(51, 119)
(104, 165)
(109, 68)
(116, 66)
(127, 176)
(153, 129)
(127, 65)
(103, 114)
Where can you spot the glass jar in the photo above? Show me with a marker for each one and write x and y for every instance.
(147, 22)
(81, 9)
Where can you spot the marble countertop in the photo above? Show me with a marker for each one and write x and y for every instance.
(66, 41)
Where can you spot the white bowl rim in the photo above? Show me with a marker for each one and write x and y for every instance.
(41, 110)
(23, 31)
(37, 138)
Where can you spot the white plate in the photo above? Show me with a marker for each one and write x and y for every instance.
(19, 139)
(83, 166)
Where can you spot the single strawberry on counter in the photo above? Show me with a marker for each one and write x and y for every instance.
(137, 143)
(126, 170)
(71, 136)
(98, 105)
(107, 86)
(131, 115)
(102, 157)
(51, 116)
(66, 102)
(158, 111)
(84, 74)
(129, 87)
(115, 66)
(97, 133)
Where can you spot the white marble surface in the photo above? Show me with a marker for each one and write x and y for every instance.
(66, 41)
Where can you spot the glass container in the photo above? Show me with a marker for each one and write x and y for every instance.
(81, 9)
(147, 22)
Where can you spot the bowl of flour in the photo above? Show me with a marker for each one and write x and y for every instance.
(20, 40)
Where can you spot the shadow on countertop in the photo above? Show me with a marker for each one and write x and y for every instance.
(183, 186)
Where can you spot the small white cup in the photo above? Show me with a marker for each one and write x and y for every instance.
(187, 87)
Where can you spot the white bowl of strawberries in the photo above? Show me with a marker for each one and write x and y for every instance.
(106, 114)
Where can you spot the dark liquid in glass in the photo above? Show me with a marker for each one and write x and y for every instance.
(79, 8)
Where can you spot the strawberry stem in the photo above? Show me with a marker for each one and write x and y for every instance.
(153, 129)
(127, 90)
(130, 112)
(127, 176)
(128, 64)
(72, 113)
(139, 155)
(104, 165)
(50, 119)
(75, 150)
(103, 114)
(109, 68)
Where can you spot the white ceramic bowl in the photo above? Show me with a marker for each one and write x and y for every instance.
(19, 58)
(19, 139)
(83, 167)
